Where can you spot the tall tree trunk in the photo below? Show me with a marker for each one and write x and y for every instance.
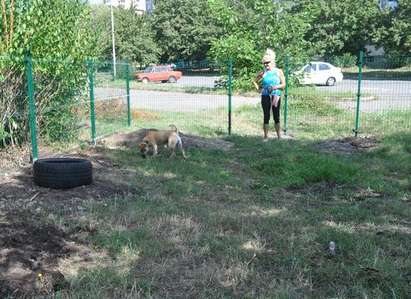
(11, 22)
(4, 18)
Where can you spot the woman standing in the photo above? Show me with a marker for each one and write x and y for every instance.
(272, 81)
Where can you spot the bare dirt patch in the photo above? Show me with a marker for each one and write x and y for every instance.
(348, 145)
(32, 242)
(131, 140)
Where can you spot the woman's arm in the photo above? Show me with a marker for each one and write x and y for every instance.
(257, 80)
(282, 80)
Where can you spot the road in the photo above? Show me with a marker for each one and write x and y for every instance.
(175, 101)
(378, 95)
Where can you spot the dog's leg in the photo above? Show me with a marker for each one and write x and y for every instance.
(172, 142)
(155, 150)
(182, 150)
(180, 146)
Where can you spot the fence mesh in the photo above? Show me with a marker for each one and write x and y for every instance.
(79, 101)
(184, 95)
(320, 103)
(61, 101)
(110, 97)
(386, 104)
(13, 102)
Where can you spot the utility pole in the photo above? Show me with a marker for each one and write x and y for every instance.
(112, 37)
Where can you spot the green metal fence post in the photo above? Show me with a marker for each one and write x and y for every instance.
(128, 94)
(32, 105)
(286, 95)
(357, 110)
(230, 82)
(90, 71)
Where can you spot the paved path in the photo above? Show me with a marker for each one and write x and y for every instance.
(378, 95)
(176, 101)
(386, 95)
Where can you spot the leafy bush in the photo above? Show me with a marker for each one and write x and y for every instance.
(390, 61)
(308, 102)
(346, 60)
(248, 29)
(59, 30)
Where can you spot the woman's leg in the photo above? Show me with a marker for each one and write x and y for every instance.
(276, 114)
(266, 105)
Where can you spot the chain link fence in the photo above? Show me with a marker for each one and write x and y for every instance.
(185, 94)
(52, 102)
(13, 102)
(373, 97)
(386, 108)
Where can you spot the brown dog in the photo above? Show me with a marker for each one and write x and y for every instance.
(156, 138)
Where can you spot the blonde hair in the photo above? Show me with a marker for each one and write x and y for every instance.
(269, 56)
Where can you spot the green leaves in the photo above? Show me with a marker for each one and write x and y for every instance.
(59, 36)
(338, 27)
(184, 29)
(249, 27)
(394, 30)
(134, 38)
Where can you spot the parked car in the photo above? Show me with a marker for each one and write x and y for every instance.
(321, 73)
(159, 73)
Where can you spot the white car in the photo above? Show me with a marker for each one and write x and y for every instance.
(320, 73)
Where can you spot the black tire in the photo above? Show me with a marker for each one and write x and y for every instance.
(145, 80)
(330, 81)
(62, 173)
(172, 79)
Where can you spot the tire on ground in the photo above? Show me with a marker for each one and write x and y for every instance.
(62, 173)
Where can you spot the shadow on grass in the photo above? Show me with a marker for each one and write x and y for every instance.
(254, 221)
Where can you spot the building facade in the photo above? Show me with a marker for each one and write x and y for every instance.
(140, 6)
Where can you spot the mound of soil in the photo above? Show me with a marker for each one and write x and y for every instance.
(348, 145)
(132, 139)
(33, 245)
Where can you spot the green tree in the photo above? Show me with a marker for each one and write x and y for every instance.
(51, 28)
(57, 34)
(184, 29)
(338, 27)
(134, 39)
(249, 27)
(394, 33)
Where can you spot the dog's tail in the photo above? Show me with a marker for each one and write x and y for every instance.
(174, 128)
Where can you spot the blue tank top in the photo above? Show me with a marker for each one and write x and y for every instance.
(270, 78)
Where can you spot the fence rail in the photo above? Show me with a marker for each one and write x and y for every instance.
(374, 97)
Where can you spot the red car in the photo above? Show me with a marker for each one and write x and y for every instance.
(159, 73)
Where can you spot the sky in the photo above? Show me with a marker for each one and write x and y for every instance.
(95, 1)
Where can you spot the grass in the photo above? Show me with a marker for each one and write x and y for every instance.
(370, 73)
(223, 225)
(255, 221)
